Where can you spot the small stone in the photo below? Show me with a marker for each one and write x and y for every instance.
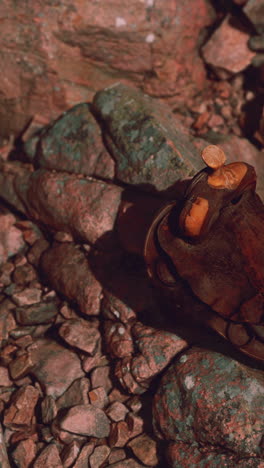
(21, 366)
(76, 394)
(7, 321)
(135, 424)
(27, 297)
(119, 434)
(24, 453)
(227, 49)
(5, 273)
(134, 404)
(254, 10)
(90, 362)
(31, 232)
(86, 420)
(118, 339)
(70, 453)
(36, 251)
(11, 239)
(99, 456)
(4, 460)
(98, 397)
(67, 270)
(24, 274)
(48, 457)
(48, 409)
(116, 455)
(55, 367)
(145, 449)
(82, 460)
(117, 411)
(80, 334)
(215, 121)
(100, 377)
(4, 377)
(21, 411)
(43, 312)
(63, 237)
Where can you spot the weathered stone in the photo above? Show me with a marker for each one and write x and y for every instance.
(119, 434)
(21, 411)
(99, 456)
(128, 463)
(70, 453)
(24, 453)
(27, 297)
(118, 339)
(100, 377)
(142, 137)
(5, 273)
(155, 350)
(135, 424)
(98, 397)
(24, 274)
(66, 268)
(227, 50)
(76, 394)
(36, 251)
(86, 420)
(82, 460)
(4, 377)
(7, 321)
(115, 309)
(181, 455)
(145, 449)
(254, 10)
(54, 366)
(21, 365)
(44, 312)
(213, 400)
(4, 461)
(81, 334)
(48, 409)
(117, 411)
(11, 239)
(74, 144)
(86, 48)
(116, 455)
(49, 456)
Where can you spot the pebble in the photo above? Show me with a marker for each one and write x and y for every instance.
(27, 297)
(98, 397)
(70, 453)
(86, 420)
(24, 453)
(119, 434)
(20, 413)
(48, 457)
(145, 449)
(76, 394)
(99, 456)
(100, 377)
(81, 334)
(117, 411)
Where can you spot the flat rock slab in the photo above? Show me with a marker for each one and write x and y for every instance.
(86, 420)
(73, 143)
(213, 400)
(55, 367)
(143, 138)
(67, 269)
(227, 49)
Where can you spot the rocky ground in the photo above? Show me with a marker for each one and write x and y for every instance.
(92, 373)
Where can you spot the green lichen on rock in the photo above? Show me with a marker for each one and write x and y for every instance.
(145, 138)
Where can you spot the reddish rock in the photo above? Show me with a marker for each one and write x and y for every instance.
(99, 456)
(118, 339)
(74, 144)
(27, 297)
(44, 312)
(117, 411)
(66, 268)
(48, 409)
(82, 460)
(90, 362)
(115, 309)
(119, 434)
(145, 449)
(24, 274)
(24, 453)
(7, 321)
(134, 404)
(81, 334)
(135, 424)
(100, 377)
(116, 455)
(70, 453)
(128, 463)
(49, 456)
(98, 397)
(80, 50)
(4, 461)
(156, 349)
(76, 394)
(11, 239)
(55, 367)
(4, 377)
(36, 251)
(227, 51)
(5, 273)
(21, 410)
(196, 400)
(21, 365)
(86, 420)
